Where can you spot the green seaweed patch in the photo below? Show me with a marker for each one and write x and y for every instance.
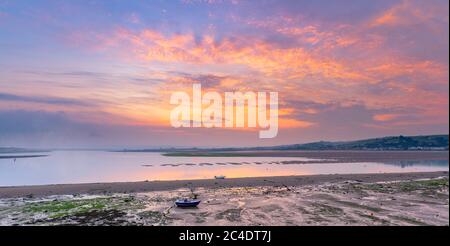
(111, 217)
(407, 186)
(62, 208)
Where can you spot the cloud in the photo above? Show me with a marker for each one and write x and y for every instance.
(410, 12)
(61, 129)
(41, 129)
(43, 99)
(368, 68)
(250, 52)
(358, 68)
(384, 117)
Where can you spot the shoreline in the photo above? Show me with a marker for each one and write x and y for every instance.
(337, 155)
(20, 156)
(147, 186)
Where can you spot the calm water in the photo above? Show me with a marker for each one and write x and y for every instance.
(62, 167)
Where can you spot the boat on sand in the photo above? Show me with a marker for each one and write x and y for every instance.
(185, 203)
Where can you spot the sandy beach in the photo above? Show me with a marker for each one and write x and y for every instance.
(382, 198)
(145, 186)
(365, 199)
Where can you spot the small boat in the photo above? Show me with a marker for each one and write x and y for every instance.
(186, 203)
(219, 177)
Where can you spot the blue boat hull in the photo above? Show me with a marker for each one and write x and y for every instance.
(187, 204)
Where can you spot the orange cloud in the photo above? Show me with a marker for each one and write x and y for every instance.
(255, 54)
(294, 123)
(349, 64)
(384, 117)
(406, 13)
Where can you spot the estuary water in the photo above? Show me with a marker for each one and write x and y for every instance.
(63, 167)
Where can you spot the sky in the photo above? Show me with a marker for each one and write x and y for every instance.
(94, 74)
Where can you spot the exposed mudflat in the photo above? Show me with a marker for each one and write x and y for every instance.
(145, 186)
(417, 202)
(326, 155)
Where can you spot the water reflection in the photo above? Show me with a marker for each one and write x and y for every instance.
(98, 166)
(410, 163)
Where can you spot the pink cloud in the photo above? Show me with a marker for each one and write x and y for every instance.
(323, 62)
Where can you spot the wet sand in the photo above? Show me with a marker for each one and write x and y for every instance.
(346, 202)
(147, 186)
(326, 155)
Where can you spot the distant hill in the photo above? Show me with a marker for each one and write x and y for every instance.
(431, 142)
